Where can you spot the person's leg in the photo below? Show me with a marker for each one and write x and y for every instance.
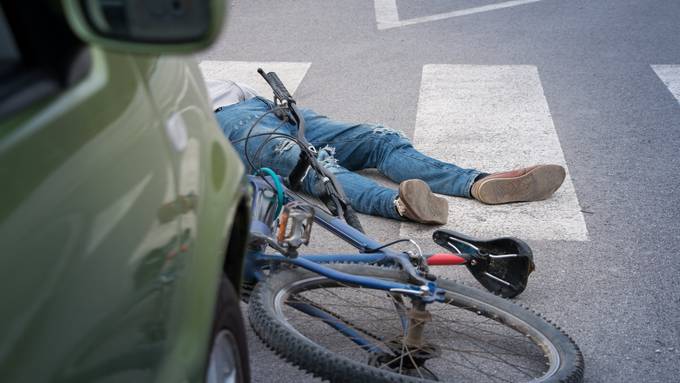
(414, 200)
(365, 195)
(361, 146)
(534, 183)
(237, 120)
(281, 155)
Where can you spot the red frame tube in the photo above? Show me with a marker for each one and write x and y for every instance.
(445, 259)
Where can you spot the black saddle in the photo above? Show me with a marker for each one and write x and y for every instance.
(501, 265)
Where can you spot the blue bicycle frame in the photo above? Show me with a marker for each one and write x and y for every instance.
(424, 290)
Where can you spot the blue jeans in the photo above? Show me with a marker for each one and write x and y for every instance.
(343, 148)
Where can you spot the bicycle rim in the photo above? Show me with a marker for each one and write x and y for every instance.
(357, 334)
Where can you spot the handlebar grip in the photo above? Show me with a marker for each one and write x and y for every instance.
(282, 88)
(274, 81)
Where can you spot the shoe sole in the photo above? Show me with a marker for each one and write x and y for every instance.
(423, 204)
(536, 185)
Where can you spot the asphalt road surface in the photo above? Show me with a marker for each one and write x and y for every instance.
(597, 80)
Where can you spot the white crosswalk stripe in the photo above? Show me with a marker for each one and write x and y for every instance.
(670, 75)
(387, 14)
(291, 73)
(494, 118)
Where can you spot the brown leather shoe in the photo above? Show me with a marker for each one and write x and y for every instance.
(417, 203)
(529, 184)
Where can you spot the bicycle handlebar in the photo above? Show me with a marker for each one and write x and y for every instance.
(277, 86)
(336, 195)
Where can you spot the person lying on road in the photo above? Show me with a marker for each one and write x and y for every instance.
(346, 147)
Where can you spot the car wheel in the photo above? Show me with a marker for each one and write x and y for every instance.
(228, 357)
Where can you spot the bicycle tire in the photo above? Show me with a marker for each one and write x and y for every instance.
(297, 341)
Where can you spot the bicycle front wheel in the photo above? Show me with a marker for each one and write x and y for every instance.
(351, 334)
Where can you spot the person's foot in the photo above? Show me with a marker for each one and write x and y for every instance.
(522, 185)
(417, 203)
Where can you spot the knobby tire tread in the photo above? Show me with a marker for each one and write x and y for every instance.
(322, 363)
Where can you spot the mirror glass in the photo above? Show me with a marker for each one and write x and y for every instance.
(150, 21)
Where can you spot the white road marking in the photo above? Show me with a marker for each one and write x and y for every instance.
(290, 73)
(670, 75)
(387, 14)
(494, 118)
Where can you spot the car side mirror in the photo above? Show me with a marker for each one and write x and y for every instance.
(147, 26)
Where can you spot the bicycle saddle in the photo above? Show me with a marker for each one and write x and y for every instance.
(501, 265)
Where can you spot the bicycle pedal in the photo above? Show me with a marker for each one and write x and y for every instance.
(295, 225)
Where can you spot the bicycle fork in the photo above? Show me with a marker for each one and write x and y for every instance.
(418, 317)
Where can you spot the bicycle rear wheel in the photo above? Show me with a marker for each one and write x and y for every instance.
(351, 334)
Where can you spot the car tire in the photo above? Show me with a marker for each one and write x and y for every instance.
(227, 359)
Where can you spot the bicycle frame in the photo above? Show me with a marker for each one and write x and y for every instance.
(422, 289)
(330, 321)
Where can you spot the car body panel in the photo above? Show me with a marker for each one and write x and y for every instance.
(113, 239)
(201, 161)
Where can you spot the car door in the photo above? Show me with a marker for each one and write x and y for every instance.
(88, 238)
(208, 174)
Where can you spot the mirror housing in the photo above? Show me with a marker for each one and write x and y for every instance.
(147, 26)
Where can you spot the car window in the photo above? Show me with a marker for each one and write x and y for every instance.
(9, 54)
(32, 67)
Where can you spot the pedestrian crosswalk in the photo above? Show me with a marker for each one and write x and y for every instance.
(670, 75)
(387, 13)
(488, 117)
(291, 73)
(494, 118)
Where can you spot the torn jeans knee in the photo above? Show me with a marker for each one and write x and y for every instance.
(284, 146)
(280, 155)
(326, 158)
(382, 130)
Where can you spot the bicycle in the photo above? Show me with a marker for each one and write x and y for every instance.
(380, 315)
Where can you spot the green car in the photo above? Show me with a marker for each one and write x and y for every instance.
(123, 210)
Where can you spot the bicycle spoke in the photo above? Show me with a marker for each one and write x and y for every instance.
(339, 319)
(484, 355)
(478, 370)
(477, 329)
(401, 359)
(364, 321)
(476, 342)
(468, 341)
(494, 356)
(480, 352)
(399, 306)
(464, 334)
(441, 310)
(409, 353)
(485, 352)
